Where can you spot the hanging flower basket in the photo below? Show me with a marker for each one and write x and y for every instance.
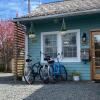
(63, 27)
(32, 36)
(32, 31)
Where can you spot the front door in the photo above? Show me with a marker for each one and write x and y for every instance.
(95, 54)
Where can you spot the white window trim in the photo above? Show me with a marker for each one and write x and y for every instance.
(74, 59)
(42, 34)
(59, 44)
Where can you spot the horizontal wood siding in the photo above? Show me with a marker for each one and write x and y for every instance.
(84, 23)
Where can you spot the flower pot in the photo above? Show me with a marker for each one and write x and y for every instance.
(76, 78)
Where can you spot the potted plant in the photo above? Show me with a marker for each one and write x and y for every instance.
(76, 75)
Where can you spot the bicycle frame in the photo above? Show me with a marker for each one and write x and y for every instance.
(35, 71)
(38, 66)
(56, 70)
(56, 66)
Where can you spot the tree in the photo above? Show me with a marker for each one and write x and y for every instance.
(6, 41)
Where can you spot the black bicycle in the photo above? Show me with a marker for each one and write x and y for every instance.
(32, 71)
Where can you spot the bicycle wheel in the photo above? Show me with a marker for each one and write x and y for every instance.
(51, 75)
(44, 74)
(41, 73)
(29, 76)
(63, 73)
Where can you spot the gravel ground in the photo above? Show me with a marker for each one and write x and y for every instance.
(10, 90)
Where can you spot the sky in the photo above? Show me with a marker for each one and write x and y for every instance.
(8, 8)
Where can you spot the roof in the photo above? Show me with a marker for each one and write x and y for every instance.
(65, 7)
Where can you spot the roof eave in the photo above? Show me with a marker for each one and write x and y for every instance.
(57, 15)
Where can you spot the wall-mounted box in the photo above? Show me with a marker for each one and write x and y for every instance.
(85, 55)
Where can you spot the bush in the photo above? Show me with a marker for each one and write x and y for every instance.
(75, 73)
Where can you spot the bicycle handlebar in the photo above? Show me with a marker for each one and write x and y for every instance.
(28, 60)
(48, 58)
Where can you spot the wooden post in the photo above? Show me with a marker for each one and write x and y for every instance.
(29, 7)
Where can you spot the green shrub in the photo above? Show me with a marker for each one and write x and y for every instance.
(75, 73)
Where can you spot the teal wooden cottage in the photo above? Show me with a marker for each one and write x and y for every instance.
(71, 28)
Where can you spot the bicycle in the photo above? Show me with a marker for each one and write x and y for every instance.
(32, 71)
(56, 70)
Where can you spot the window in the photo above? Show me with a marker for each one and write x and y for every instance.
(50, 45)
(67, 44)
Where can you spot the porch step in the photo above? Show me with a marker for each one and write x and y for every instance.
(6, 77)
(97, 81)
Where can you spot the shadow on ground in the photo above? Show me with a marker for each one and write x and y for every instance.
(58, 91)
(8, 78)
(67, 91)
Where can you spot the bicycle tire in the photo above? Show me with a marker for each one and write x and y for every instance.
(51, 74)
(29, 76)
(44, 74)
(41, 73)
(63, 73)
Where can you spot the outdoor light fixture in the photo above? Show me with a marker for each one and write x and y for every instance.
(84, 38)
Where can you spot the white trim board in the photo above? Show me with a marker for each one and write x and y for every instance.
(26, 49)
(59, 44)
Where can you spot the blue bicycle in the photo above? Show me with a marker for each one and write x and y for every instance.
(56, 70)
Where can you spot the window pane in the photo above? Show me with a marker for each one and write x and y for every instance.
(69, 45)
(50, 45)
(97, 41)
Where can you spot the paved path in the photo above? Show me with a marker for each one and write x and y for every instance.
(10, 90)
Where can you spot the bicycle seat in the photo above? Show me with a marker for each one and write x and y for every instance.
(47, 58)
(50, 61)
(28, 60)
